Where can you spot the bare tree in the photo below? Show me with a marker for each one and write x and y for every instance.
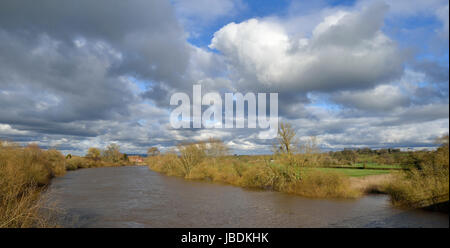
(153, 151)
(191, 154)
(310, 146)
(286, 139)
(216, 148)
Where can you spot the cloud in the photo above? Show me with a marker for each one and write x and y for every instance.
(75, 75)
(206, 10)
(408, 8)
(435, 72)
(370, 100)
(442, 14)
(65, 67)
(347, 50)
(146, 35)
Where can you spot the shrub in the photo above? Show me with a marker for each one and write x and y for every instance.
(191, 155)
(420, 187)
(57, 162)
(323, 184)
(24, 171)
(217, 171)
(76, 162)
(267, 176)
(167, 164)
(426, 182)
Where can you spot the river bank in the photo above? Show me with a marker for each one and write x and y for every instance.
(134, 196)
(307, 182)
(27, 172)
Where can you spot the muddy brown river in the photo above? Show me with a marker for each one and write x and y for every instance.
(138, 197)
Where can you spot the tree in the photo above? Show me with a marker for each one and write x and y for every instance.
(216, 148)
(287, 145)
(310, 146)
(93, 153)
(286, 139)
(349, 155)
(191, 154)
(310, 152)
(153, 151)
(112, 153)
(442, 153)
(125, 157)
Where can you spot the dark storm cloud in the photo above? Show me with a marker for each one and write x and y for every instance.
(65, 62)
(146, 33)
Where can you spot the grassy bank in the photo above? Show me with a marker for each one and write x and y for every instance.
(412, 179)
(199, 161)
(25, 172)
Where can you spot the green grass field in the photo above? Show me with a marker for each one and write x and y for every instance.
(379, 166)
(374, 166)
(355, 172)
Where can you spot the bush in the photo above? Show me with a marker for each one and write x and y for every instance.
(268, 176)
(76, 162)
(217, 171)
(24, 172)
(57, 162)
(426, 182)
(323, 184)
(420, 187)
(167, 164)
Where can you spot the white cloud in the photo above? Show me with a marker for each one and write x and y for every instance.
(346, 50)
(381, 98)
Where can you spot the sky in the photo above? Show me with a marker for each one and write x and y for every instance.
(80, 74)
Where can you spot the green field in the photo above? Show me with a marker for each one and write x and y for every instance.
(374, 166)
(355, 172)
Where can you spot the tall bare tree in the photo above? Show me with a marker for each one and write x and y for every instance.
(286, 139)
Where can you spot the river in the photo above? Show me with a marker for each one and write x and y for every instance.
(138, 197)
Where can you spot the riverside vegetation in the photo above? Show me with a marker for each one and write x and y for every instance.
(420, 178)
(201, 161)
(25, 172)
(417, 179)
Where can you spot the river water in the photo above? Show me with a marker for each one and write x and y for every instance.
(138, 197)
